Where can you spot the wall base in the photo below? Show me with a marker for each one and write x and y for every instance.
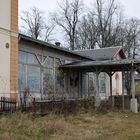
(97, 102)
(134, 105)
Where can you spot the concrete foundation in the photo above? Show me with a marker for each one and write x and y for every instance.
(134, 105)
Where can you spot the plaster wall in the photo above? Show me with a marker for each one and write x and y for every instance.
(5, 13)
(116, 82)
(5, 23)
(4, 64)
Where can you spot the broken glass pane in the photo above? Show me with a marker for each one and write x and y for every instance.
(31, 59)
(33, 78)
(22, 57)
(49, 62)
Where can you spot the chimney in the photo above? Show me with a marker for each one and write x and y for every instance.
(57, 44)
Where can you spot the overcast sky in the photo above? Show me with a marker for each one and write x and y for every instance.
(131, 7)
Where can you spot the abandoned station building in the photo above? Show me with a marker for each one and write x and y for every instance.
(39, 74)
(39, 70)
(33, 67)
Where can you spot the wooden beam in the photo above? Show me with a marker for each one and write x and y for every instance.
(133, 81)
(123, 107)
(134, 104)
(97, 96)
(110, 74)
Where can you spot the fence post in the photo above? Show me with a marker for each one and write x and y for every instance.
(21, 104)
(3, 103)
(34, 106)
(15, 104)
(65, 108)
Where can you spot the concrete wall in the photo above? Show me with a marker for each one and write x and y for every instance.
(116, 82)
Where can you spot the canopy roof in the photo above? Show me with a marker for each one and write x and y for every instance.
(104, 66)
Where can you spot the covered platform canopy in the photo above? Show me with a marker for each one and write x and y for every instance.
(104, 66)
(110, 67)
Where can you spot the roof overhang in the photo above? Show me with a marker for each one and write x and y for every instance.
(104, 66)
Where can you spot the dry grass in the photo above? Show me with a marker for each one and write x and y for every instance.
(84, 126)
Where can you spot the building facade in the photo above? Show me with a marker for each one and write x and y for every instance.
(30, 67)
(9, 48)
(40, 75)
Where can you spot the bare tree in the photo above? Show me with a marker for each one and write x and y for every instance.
(132, 33)
(87, 33)
(131, 44)
(48, 32)
(34, 25)
(68, 18)
(101, 26)
(105, 16)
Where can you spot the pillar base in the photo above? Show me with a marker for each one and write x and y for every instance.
(97, 101)
(134, 105)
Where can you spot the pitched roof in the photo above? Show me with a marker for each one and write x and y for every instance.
(52, 46)
(103, 53)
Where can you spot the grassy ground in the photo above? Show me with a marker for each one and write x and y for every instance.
(83, 126)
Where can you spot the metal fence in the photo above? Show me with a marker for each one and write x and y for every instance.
(7, 105)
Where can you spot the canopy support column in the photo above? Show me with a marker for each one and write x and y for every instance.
(110, 74)
(123, 91)
(133, 104)
(65, 84)
(97, 96)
